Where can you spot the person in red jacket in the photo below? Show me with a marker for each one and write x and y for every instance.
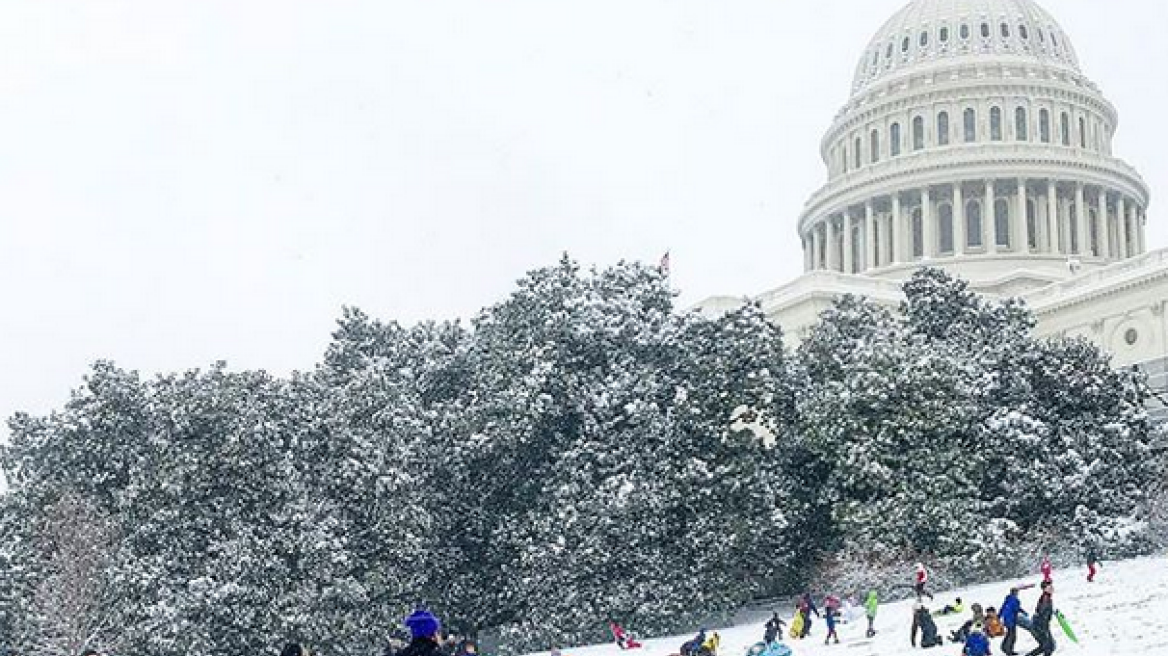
(1045, 568)
(623, 639)
(921, 579)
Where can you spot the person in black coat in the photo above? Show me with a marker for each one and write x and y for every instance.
(426, 634)
(923, 622)
(1040, 622)
(774, 627)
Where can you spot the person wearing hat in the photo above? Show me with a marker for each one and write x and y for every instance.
(425, 632)
(977, 644)
(294, 649)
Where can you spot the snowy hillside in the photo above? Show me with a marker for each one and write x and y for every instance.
(1123, 613)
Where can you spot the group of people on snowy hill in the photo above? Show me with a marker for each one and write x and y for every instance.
(977, 632)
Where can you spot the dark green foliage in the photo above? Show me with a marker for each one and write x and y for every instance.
(581, 452)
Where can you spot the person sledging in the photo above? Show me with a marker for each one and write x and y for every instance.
(623, 638)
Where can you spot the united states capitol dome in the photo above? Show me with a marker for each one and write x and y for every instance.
(930, 33)
(971, 140)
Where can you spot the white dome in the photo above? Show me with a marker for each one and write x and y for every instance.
(929, 33)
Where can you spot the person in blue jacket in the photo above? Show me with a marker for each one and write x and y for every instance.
(1009, 616)
(977, 644)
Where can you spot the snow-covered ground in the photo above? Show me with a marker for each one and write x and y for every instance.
(1124, 612)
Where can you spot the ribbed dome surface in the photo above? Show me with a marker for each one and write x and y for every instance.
(932, 32)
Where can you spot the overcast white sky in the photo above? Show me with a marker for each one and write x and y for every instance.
(182, 182)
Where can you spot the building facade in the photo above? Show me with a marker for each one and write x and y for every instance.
(973, 142)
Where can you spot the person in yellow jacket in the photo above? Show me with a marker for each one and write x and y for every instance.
(870, 605)
(711, 643)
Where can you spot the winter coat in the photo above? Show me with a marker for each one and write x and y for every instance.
(1009, 611)
(808, 606)
(993, 626)
(773, 626)
(871, 603)
(923, 622)
(1042, 613)
(421, 647)
(922, 576)
(1046, 569)
(977, 644)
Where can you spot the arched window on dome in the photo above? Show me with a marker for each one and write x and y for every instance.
(918, 234)
(1021, 125)
(985, 30)
(1032, 224)
(856, 155)
(1082, 133)
(943, 34)
(995, 123)
(1054, 39)
(1041, 36)
(1023, 32)
(875, 146)
(1044, 125)
(973, 224)
(964, 31)
(945, 229)
(1002, 222)
(918, 132)
(894, 140)
(904, 45)
(888, 53)
(1005, 30)
(970, 125)
(844, 157)
(943, 128)
(1065, 128)
(924, 39)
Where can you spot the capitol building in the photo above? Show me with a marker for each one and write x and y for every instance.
(973, 142)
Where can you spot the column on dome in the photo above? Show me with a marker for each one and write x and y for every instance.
(928, 226)
(815, 248)
(1021, 226)
(1052, 222)
(1141, 229)
(871, 247)
(832, 251)
(849, 248)
(898, 230)
(1104, 226)
(958, 220)
(1081, 221)
(1121, 227)
(989, 220)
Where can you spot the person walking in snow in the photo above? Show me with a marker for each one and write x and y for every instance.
(1040, 622)
(807, 606)
(1092, 563)
(425, 634)
(830, 614)
(1009, 616)
(870, 606)
(774, 627)
(920, 580)
(1045, 568)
